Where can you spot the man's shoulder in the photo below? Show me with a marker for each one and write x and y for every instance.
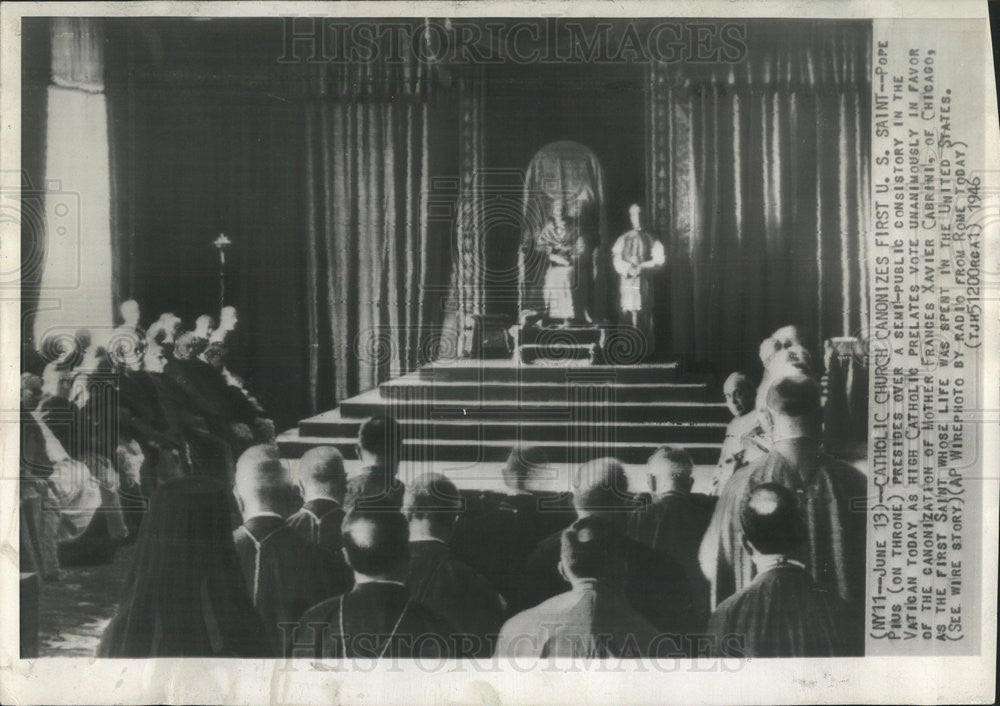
(467, 577)
(742, 424)
(420, 614)
(547, 546)
(298, 519)
(645, 562)
(322, 612)
(842, 470)
(735, 487)
(549, 611)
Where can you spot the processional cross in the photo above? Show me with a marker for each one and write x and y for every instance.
(221, 243)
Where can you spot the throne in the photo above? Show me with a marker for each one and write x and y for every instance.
(571, 173)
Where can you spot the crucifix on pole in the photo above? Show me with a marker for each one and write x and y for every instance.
(221, 243)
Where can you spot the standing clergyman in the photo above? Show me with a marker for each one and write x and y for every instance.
(636, 254)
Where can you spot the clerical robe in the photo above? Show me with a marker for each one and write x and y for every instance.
(631, 250)
(781, 613)
(454, 591)
(497, 542)
(673, 524)
(375, 487)
(655, 584)
(736, 451)
(285, 574)
(591, 620)
(217, 392)
(375, 619)
(207, 444)
(833, 502)
(563, 248)
(318, 521)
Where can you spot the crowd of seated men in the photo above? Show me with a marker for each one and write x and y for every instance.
(235, 556)
(106, 420)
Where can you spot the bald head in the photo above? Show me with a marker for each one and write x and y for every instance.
(601, 488)
(739, 394)
(321, 474)
(792, 407)
(433, 502)
(376, 543)
(794, 395)
(770, 520)
(523, 463)
(262, 482)
(590, 549)
(670, 470)
(129, 309)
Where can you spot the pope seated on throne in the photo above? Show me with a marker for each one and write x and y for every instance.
(563, 245)
(561, 270)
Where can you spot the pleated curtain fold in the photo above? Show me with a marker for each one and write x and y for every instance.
(759, 179)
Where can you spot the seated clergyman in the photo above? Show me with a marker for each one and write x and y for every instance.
(782, 612)
(674, 520)
(378, 617)
(497, 541)
(323, 482)
(284, 573)
(380, 442)
(593, 618)
(654, 584)
(438, 580)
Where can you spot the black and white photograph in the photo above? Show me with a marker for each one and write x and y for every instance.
(498, 338)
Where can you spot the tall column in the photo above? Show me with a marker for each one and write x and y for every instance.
(469, 225)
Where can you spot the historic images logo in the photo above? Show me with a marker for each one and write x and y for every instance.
(523, 41)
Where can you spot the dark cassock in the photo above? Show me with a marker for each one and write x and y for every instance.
(781, 613)
(141, 417)
(375, 619)
(318, 521)
(216, 391)
(210, 452)
(185, 598)
(590, 620)
(655, 584)
(497, 542)
(284, 573)
(832, 498)
(200, 399)
(673, 524)
(374, 487)
(453, 590)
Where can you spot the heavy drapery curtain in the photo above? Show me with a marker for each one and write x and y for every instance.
(367, 278)
(759, 180)
(321, 179)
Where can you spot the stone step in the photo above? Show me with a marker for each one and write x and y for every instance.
(556, 352)
(332, 424)
(473, 392)
(469, 370)
(560, 335)
(595, 411)
(291, 445)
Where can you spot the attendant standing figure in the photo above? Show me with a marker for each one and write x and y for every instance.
(636, 255)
